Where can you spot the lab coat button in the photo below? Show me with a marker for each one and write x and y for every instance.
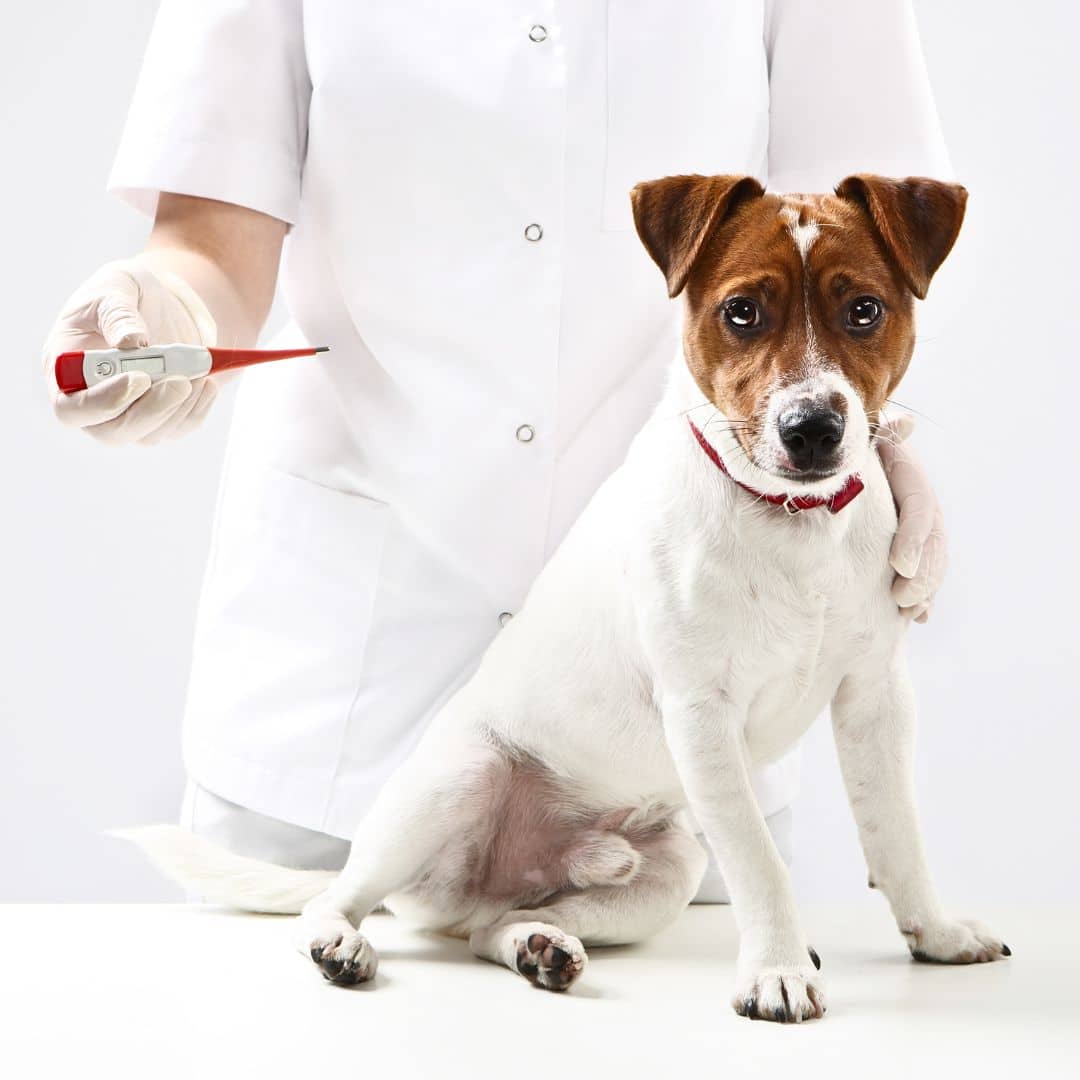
(525, 433)
(533, 232)
(538, 34)
(505, 617)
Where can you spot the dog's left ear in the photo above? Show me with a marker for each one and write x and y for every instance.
(917, 219)
(675, 216)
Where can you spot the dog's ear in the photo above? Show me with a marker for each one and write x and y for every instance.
(675, 216)
(917, 219)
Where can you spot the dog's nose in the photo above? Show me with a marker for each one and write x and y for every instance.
(811, 436)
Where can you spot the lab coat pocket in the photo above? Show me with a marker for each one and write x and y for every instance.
(687, 92)
(282, 630)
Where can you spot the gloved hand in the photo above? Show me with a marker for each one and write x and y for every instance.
(125, 305)
(918, 553)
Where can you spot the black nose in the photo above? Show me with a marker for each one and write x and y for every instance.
(811, 436)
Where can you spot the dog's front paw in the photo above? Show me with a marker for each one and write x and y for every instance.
(344, 959)
(787, 995)
(953, 941)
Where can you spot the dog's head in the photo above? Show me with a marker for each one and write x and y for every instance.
(799, 308)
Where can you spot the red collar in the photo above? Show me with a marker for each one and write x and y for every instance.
(793, 504)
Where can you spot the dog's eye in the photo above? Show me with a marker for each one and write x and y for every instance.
(742, 313)
(864, 312)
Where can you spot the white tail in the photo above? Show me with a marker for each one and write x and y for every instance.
(224, 878)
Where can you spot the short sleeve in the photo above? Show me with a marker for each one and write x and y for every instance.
(220, 107)
(849, 93)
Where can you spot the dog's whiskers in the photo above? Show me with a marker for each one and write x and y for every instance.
(882, 433)
(908, 408)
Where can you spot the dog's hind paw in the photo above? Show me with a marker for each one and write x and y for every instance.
(550, 959)
(344, 960)
(953, 941)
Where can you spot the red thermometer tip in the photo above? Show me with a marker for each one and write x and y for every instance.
(223, 359)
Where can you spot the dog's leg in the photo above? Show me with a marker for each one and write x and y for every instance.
(419, 810)
(545, 944)
(777, 977)
(874, 724)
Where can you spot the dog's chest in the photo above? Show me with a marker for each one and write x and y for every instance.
(808, 642)
(793, 623)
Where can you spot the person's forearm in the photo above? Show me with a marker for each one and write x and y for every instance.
(227, 254)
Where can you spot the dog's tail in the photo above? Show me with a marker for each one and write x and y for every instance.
(221, 877)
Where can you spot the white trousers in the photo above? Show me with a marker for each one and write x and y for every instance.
(245, 832)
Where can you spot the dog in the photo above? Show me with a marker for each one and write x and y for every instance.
(723, 586)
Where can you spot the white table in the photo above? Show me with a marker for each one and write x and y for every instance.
(157, 991)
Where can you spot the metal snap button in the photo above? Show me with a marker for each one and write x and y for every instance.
(533, 232)
(525, 433)
(538, 33)
(505, 617)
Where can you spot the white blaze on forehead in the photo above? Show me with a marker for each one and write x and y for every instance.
(803, 234)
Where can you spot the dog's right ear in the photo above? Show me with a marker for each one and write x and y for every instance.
(675, 216)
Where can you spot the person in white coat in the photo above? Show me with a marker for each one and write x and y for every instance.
(449, 186)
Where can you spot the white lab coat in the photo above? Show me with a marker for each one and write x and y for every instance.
(381, 509)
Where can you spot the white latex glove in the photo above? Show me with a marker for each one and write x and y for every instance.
(918, 555)
(125, 305)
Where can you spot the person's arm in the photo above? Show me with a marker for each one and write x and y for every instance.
(219, 113)
(849, 93)
(228, 254)
(206, 277)
(919, 553)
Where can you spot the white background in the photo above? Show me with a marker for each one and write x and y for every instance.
(101, 551)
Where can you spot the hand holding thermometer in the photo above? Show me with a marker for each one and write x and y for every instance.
(81, 370)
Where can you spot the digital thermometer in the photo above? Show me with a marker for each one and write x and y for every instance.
(81, 370)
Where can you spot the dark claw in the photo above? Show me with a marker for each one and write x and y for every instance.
(1005, 950)
(331, 968)
(750, 1005)
(316, 953)
(815, 959)
(785, 1013)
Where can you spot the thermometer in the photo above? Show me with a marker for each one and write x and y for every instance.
(80, 370)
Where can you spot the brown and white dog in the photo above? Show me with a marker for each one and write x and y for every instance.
(727, 583)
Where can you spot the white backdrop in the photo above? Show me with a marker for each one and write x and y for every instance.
(101, 552)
